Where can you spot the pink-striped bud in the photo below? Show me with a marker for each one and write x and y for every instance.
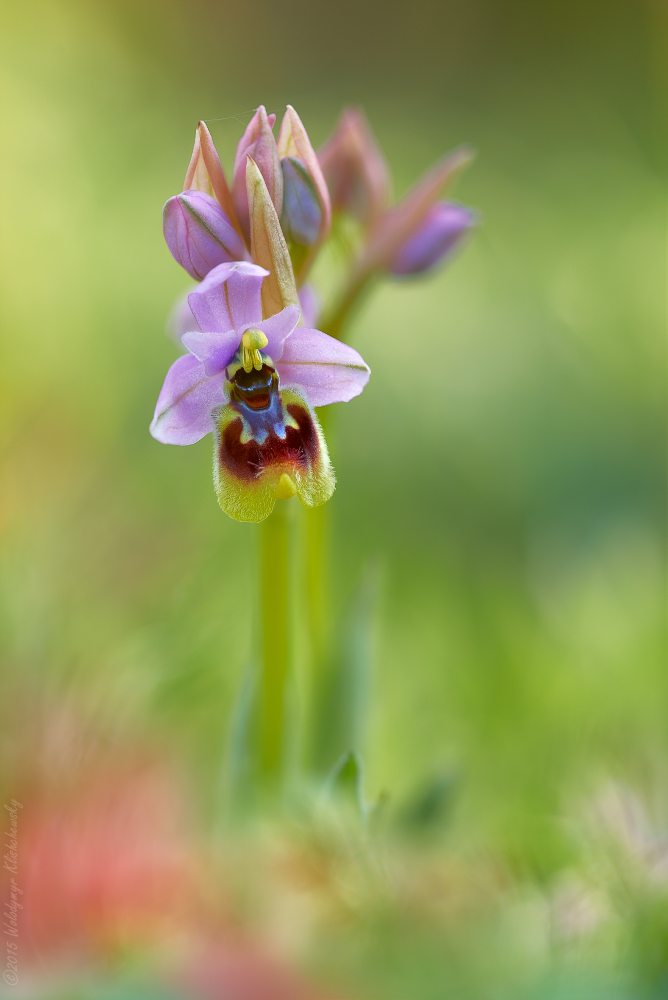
(257, 142)
(206, 174)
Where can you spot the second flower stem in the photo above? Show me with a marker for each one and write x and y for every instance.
(275, 606)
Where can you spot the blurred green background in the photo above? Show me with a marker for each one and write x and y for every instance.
(509, 498)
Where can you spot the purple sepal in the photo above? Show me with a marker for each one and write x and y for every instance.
(230, 297)
(322, 367)
(199, 234)
(185, 402)
(443, 228)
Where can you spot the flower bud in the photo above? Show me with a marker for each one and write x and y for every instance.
(268, 247)
(443, 228)
(206, 174)
(301, 217)
(294, 144)
(355, 169)
(259, 143)
(199, 234)
(399, 224)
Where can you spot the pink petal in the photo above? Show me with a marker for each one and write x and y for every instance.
(326, 369)
(214, 350)
(185, 402)
(229, 297)
(278, 328)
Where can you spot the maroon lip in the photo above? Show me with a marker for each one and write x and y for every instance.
(297, 451)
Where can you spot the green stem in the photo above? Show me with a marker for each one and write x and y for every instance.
(316, 553)
(275, 606)
(316, 541)
(335, 322)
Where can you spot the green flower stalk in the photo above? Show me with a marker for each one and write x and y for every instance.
(256, 366)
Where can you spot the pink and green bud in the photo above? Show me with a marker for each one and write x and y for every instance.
(199, 234)
(206, 174)
(355, 169)
(295, 145)
(301, 217)
(257, 142)
(400, 223)
(441, 232)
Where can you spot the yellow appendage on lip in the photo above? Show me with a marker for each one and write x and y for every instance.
(286, 487)
(252, 343)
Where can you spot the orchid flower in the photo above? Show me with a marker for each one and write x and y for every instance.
(253, 382)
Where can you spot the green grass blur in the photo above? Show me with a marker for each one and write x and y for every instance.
(508, 497)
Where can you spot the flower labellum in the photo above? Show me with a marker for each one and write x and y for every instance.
(301, 217)
(442, 230)
(254, 383)
(199, 234)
